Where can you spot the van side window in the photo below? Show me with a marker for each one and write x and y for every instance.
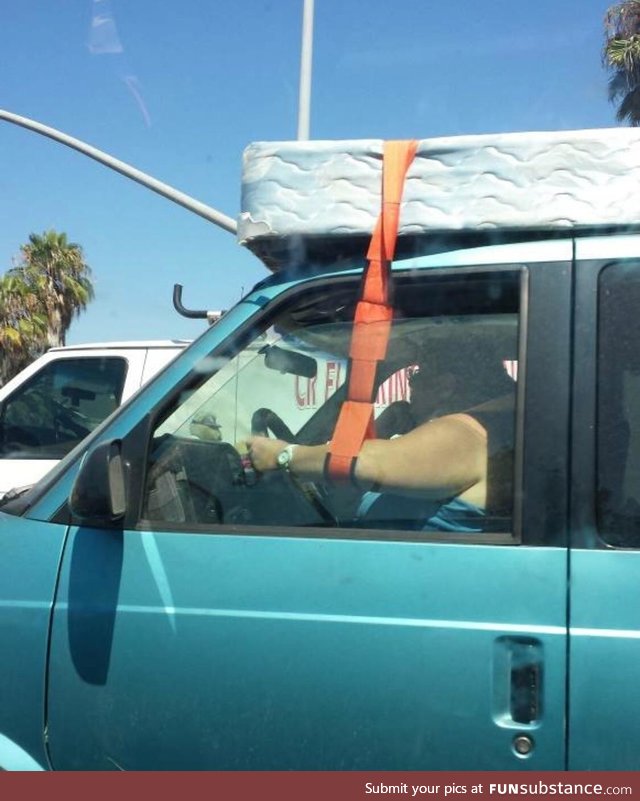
(59, 405)
(452, 350)
(618, 405)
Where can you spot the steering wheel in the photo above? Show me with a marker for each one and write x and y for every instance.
(265, 420)
(70, 419)
(18, 439)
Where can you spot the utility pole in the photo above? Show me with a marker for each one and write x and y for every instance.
(167, 191)
(304, 103)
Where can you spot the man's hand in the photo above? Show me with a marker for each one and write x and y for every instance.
(263, 452)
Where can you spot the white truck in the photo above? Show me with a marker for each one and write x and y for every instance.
(63, 395)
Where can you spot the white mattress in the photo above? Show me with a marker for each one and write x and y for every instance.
(324, 196)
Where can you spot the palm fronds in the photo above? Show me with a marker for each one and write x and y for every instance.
(621, 56)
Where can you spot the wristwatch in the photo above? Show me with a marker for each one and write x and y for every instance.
(284, 458)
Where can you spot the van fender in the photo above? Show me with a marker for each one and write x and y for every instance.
(13, 757)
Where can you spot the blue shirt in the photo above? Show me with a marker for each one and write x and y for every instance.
(386, 510)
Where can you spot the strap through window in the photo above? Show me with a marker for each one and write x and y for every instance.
(372, 320)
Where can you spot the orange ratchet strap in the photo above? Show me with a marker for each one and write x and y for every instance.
(372, 321)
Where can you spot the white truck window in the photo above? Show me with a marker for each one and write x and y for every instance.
(58, 406)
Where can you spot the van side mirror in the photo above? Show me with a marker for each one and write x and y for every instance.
(98, 495)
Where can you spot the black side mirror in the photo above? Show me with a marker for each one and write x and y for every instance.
(98, 495)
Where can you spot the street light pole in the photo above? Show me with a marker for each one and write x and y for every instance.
(304, 103)
(190, 203)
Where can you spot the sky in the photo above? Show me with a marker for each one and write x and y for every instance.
(179, 89)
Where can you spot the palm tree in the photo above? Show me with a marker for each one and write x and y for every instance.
(59, 276)
(39, 298)
(621, 56)
(23, 326)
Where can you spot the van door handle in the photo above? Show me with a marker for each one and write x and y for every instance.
(526, 676)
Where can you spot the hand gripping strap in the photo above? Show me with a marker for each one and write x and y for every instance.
(372, 321)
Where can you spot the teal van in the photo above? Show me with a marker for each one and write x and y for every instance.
(163, 605)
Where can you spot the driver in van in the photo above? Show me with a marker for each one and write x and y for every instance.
(457, 457)
(439, 385)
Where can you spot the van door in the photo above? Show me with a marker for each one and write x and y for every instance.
(604, 702)
(244, 622)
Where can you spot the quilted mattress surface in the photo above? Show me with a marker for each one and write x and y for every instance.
(326, 194)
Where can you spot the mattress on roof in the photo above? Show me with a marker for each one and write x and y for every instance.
(323, 197)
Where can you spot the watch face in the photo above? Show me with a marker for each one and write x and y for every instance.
(284, 457)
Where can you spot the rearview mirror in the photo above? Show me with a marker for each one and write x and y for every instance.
(98, 494)
(76, 394)
(289, 361)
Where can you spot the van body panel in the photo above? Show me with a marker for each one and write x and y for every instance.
(604, 694)
(31, 553)
(269, 653)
